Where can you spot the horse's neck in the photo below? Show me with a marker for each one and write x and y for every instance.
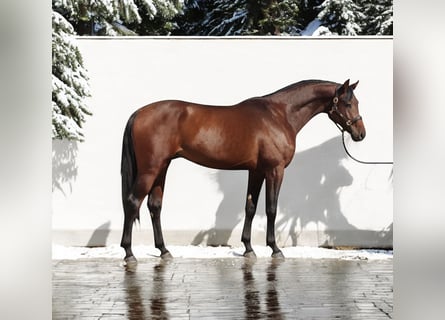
(303, 104)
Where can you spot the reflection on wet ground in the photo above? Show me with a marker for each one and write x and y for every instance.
(231, 288)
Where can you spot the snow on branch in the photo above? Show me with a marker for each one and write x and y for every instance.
(70, 86)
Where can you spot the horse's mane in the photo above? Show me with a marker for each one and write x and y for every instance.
(297, 85)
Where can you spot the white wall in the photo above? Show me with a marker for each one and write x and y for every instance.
(326, 198)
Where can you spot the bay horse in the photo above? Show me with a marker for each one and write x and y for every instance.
(257, 135)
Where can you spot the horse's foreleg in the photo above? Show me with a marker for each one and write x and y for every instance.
(273, 184)
(154, 206)
(253, 191)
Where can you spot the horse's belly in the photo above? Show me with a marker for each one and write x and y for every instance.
(217, 141)
(218, 159)
(219, 152)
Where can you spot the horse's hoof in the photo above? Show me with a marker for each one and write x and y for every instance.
(166, 256)
(130, 261)
(278, 255)
(249, 255)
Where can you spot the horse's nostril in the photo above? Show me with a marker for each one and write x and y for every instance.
(362, 135)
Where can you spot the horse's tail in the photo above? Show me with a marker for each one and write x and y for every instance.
(128, 161)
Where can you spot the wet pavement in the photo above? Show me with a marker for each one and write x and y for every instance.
(228, 288)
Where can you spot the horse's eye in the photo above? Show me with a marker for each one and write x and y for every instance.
(349, 105)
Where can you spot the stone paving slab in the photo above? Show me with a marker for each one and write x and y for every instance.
(228, 288)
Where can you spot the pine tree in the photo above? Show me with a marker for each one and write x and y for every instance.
(280, 17)
(194, 12)
(69, 83)
(269, 17)
(119, 17)
(386, 23)
(239, 17)
(342, 17)
(102, 17)
(378, 17)
(157, 17)
(226, 18)
(309, 10)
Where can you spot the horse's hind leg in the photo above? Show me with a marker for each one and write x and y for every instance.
(131, 212)
(154, 206)
(131, 204)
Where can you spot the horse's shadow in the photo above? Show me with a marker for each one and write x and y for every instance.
(309, 194)
(311, 189)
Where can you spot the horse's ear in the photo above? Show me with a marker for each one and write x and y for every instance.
(343, 88)
(354, 85)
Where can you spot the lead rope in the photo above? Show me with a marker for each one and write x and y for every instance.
(334, 109)
(355, 159)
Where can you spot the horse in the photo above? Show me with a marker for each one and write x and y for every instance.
(257, 135)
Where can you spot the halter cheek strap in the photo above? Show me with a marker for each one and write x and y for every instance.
(349, 122)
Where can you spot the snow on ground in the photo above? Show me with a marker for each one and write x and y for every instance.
(115, 251)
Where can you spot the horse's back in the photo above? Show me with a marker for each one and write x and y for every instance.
(222, 137)
(215, 136)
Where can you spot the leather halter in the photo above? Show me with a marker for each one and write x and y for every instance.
(334, 108)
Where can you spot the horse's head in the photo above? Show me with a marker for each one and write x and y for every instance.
(343, 110)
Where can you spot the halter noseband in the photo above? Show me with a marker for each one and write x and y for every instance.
(334, 108)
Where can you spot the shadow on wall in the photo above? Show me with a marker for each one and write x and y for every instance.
(309, 194)
(64, 173)
(64, 169)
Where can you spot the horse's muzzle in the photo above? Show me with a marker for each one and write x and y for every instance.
(359, 137)
(358, 132)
